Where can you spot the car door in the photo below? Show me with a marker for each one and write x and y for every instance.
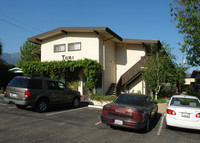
(151, 106)
(53, 91)
(66, 94)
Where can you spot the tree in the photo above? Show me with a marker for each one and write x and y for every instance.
(27, 53)
(0, 48)
(5, 75)
(160, 69)
(187, 15)
(180, 76)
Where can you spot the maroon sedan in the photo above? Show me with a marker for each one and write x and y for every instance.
(130, 111)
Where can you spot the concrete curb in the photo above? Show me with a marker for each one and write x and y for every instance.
(94, 106)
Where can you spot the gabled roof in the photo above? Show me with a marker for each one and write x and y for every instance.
(105, 32)
(98, 30)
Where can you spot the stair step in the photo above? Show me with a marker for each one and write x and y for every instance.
(111, 89)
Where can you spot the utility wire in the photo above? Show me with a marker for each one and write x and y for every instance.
(21, 22)
(20, 27)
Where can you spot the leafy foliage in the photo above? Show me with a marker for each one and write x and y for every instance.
(187, 15)
(5, 75)
(101, 98)
(56, 69)
(1, 48)
(27, 53)
(160, 69)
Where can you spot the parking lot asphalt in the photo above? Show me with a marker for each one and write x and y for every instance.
(66, 124)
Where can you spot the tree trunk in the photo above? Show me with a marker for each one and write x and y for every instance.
(156, 94)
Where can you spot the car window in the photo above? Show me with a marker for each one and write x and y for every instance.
(35, 84)
(61, 85)
(189, 102)
(131, 100)
(52, 85)
(19, 82)
(148, 99)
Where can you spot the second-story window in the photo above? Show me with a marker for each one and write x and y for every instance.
(74, 46)
(59, 48)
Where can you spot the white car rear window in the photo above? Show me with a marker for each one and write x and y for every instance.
(188, 102)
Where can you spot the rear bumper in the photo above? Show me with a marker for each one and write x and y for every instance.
(127, 123)
(18, 102)
(170, 121)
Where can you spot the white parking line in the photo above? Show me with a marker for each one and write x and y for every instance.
(12, 107)
(55, 113)
(161, 125)
(98, 123)
(61, 124)
(3, 104)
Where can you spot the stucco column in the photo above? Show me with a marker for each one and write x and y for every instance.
(80, 87)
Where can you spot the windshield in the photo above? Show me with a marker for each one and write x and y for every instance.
(188, 102)
(133, 100)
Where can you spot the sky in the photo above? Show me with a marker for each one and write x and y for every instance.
(133, 19)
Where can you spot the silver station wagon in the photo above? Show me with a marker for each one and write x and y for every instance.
(39, 92)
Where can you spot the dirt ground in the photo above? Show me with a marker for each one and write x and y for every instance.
(162, 108)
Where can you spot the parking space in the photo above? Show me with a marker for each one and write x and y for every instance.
(66, 124)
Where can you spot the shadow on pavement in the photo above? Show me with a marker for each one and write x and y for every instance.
(192, 131)
(60, 107)
(66, 107)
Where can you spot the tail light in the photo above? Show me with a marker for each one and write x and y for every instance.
(27, 93)
(171, 112)
(138, 115)
(197, 115)
(105, 110)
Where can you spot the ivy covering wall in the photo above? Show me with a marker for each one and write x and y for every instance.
(55, 69)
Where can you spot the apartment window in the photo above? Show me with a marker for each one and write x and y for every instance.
(59, 48)
(74, 46)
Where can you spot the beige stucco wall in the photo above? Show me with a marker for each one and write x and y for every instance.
(89, 47)
(115, 58)
(189, 80)
(110, 65)
(137, 86)
(127, 55)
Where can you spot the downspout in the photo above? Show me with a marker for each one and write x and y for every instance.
(104, 64)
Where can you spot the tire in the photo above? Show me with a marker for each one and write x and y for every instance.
(113, 127)
(156, 114)
(42, 106)
(147, 127)
(20, 106)
(76, 102)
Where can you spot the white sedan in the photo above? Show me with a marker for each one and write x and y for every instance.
(183, 111)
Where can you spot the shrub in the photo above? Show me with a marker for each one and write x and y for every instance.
(101, 98)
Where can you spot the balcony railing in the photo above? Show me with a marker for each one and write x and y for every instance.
(130, 75)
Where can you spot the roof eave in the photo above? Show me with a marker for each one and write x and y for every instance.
(38, 38)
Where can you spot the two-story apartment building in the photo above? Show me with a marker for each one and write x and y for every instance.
(121, 58)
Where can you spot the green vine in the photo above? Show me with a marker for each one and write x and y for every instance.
(55, 69)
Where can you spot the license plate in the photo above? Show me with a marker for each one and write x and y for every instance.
(13, 95)
(118, 122)
(186, 115)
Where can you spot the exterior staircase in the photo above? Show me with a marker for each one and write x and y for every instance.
(111, 89)
(129, 76)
